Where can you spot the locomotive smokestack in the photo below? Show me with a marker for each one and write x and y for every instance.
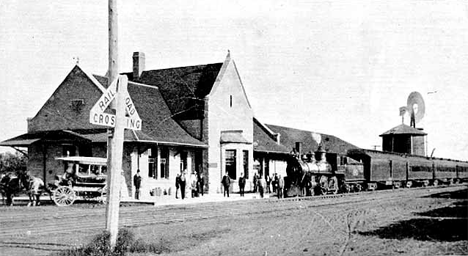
(320, 154)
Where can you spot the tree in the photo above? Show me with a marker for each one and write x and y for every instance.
(12, 162)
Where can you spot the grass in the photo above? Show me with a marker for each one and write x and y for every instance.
(126, 242)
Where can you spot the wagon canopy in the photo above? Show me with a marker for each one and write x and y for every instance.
(84, 160)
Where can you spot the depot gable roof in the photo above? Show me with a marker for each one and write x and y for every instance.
(183, 88)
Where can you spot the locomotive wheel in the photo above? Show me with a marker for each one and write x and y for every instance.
(323, 184)
(357, 188)
(435, 183)
(425, 183)
(346, 188)
(64, 196)
(312, 191)
(333, 185)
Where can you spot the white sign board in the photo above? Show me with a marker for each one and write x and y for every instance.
(98, 117)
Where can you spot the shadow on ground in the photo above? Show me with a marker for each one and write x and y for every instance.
(447, 224)
(459, 194)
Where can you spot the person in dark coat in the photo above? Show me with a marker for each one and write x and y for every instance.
(137, 184)
(177, 185)
(274, 182)
(255, 182)
(201, 184)
(241, 184)
(182, 185)
(226, 184)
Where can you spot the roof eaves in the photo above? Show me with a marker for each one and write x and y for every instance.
(271, 133)
(94, 80)
(175, 143)
(220, 75)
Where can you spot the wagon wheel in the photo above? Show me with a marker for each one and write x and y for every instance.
(64, 196)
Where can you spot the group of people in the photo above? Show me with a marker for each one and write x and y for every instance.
(261, 184)
(267, 184)
(195, 183)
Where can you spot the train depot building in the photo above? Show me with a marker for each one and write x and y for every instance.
(195, 119)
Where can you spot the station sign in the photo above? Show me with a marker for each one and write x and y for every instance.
(97, 115)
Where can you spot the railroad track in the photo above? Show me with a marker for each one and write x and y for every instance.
(43, 221)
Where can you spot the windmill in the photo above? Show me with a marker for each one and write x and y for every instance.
(415, 107)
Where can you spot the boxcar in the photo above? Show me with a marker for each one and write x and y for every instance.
(381, 167)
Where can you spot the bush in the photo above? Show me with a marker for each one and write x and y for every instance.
(100, 246)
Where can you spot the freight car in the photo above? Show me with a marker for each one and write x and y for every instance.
(383, 169)
(323, 173)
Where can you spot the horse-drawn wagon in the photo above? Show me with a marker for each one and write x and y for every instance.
(84, 178)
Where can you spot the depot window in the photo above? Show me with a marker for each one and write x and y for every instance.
(183, 161)
(231, 163)
(77, 104)
(152, 163)
(164, 164)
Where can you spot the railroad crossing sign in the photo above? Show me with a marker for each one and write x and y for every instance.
(99, 117)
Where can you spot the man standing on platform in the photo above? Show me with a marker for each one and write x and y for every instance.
(182, 185)
(280, 187)
(201, 184)
(177, 185)
(255, 182)
(137, 184)
(241, 184)
(226, 183)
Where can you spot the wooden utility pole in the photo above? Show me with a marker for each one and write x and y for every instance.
(115, 139)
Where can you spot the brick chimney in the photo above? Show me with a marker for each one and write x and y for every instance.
(138, 64)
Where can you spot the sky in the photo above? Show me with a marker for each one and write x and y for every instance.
(336, 67)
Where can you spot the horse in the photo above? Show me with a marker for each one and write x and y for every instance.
(11, 185)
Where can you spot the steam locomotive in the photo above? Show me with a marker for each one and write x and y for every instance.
(363, 169)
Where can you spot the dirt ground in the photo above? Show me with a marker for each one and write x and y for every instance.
(434, 225)
(430, 225)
